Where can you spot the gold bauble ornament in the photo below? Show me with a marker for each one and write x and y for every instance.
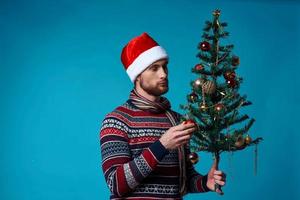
(193, 97)
(209, 87)
(203, 107)
(193, 157)
(248, 139)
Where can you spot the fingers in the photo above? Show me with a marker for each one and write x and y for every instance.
(219, 177)
(179, 132)
(178, 135)
(219, 191)
(218, 185)
(218, 172)
(187, 131)
(221, 183)
(184, 132)
(182, 127)
(184, 139)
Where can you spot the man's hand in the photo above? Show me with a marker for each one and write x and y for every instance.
(177, 135)
(215, 176)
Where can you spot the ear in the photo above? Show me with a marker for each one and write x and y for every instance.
(135, 82)
(137, 79)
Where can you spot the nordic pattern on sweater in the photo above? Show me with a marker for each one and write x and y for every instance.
(134, 162)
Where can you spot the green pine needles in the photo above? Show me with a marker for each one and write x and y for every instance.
(214, 101)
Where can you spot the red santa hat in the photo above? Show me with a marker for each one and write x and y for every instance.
(139, 53)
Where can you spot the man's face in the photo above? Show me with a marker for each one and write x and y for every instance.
(154, 80)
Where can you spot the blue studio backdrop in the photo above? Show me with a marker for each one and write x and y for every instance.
(60, 73)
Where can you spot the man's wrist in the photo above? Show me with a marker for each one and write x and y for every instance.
(158, 149)
(163, 143)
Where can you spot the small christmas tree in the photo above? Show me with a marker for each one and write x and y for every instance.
(214, 101)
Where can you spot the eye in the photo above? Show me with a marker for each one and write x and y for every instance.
(154, 68)
(165, 67)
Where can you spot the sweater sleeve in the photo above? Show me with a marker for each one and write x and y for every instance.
(122, 172)
(196, 182)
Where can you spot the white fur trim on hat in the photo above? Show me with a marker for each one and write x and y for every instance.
(144, 60)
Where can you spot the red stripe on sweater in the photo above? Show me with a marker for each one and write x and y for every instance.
(114, 161)
(199, 185)
(150, 158)
(139, 113)
(113, 131)
(140, 140)
(122, 186)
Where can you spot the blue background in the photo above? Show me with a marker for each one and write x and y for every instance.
(60, 73)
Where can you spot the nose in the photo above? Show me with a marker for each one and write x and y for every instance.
(163, 73)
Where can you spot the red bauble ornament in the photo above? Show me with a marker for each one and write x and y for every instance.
(235, 61)
(189, 121)
(240, 143)
(219, 107)
(199, 67)
(232, 83)
(204, 46)
(229, 75)
(193, 157)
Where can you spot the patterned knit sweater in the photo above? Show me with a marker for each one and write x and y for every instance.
(134, 162)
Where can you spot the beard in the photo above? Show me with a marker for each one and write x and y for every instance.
(156, 90)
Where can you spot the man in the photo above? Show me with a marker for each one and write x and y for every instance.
(143, 145)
